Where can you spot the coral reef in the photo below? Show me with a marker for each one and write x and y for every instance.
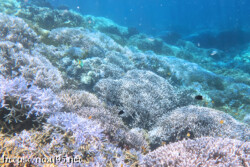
(141, 95)
(206, 151)
(84, 86)
(145, 43)
(77, 99)
(9, 6)
(16, 30)
(48, 19)
(194, 122)
(87, 105)
(21, 100)
(119, 33)
(88, 133)
(80, 52)
(17, 61)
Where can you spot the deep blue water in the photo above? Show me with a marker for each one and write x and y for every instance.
(154, 16)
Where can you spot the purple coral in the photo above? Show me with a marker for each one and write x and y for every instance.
(207, 151)
(16, 30)
(84, 131)
(23, 99)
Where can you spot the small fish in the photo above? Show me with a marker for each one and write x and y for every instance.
(163, 143)
(188, 134)
(213, 102)
(214, 52)
(221, 121)
(80, 63)
(151, 39)
(198, 97)
(169, 73)
(121, 112)
(90, 117)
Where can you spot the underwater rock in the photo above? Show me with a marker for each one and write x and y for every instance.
(169, 37)
(247, 119)
(194, 122)
(118, 33)
(48, 18)
(40, 3)
(95, 43)
(242, 60)
(142, 95)
(16, 30)
(146, 43)
(205, 151)
(104, 25)
(179, 70)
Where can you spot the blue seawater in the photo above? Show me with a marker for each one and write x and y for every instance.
(153, 16)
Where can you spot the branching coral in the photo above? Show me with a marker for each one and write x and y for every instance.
(142, 95)
(16, 61)
(89, 141)
(87, 105)
(21, 100)
(193, 122)
(16, 30)
(205, 151)
(77, 99)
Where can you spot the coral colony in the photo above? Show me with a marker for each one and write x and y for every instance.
(80, 90)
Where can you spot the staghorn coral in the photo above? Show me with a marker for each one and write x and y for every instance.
(22, 103)
(142, 95)
(16, 30)
(87, 105)
(85, 131)
(17, 61)
(206, 151)
(77, 99)
(88, 138)
(114, 128)
(194, 122)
